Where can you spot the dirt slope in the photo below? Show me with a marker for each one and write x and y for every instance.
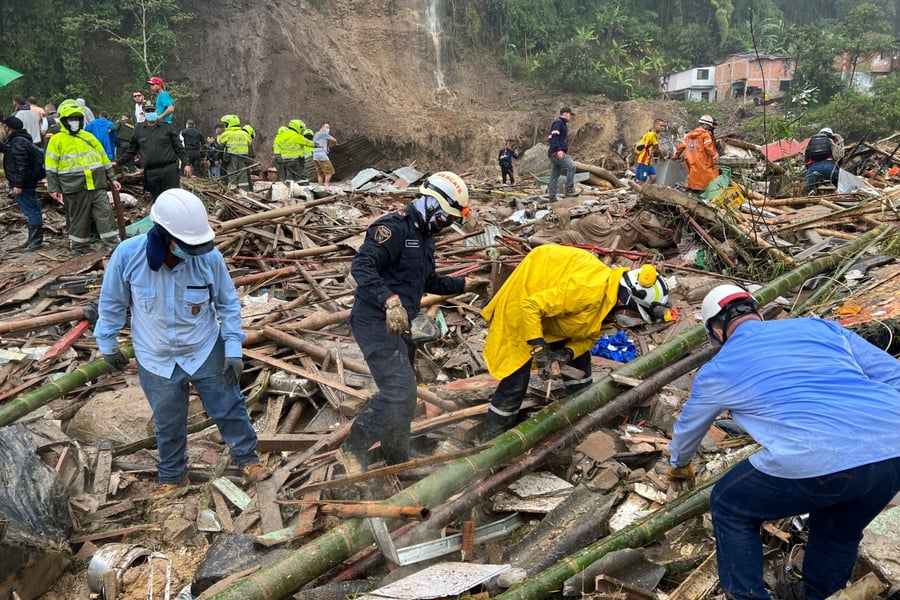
(370, 69)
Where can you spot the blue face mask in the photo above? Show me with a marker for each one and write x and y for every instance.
(328, 132)
(179, 253)
(150, 117)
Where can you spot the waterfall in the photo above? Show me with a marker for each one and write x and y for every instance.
(433, 25)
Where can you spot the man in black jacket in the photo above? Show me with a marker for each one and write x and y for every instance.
(504, 159)
(823, 151)
(20, 159)
(160, 148)
(193, 145)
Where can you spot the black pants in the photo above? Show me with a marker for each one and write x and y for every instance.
(161, 178)
(504, 411)
(387, 415)
(507, 170)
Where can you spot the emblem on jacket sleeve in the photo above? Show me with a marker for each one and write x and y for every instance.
(382, 234)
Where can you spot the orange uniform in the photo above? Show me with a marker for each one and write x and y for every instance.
(700, 157)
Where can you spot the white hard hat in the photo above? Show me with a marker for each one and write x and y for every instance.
(826, 130)
(720, 297)
(645, 291)
(449, 190)
(708, 120)
(184, 217)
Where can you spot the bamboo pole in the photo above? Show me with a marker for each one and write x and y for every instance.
(281, 578)
(74, 314)
(24, 404)
(284, 211)
(353, 510)
(321, 354)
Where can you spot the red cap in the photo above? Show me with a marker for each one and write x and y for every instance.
(156, 81)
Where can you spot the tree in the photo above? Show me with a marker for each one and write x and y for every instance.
(145, 27)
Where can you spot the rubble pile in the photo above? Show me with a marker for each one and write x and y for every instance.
(585, 479)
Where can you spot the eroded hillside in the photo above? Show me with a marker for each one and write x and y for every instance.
(379, 70)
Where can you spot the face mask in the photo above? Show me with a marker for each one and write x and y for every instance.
(151, 117)
(74, 125)
(327, 132)
(179, 253)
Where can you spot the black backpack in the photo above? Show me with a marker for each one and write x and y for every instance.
(38, 171)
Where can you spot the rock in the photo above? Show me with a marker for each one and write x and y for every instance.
(34, 550)
(229, 554)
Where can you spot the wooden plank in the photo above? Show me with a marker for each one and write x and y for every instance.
(285, 442)
(307, 515)
(101, 535)
(269, 512)
(286, 366)
(700, 583)
(76, 265)
(222, 511)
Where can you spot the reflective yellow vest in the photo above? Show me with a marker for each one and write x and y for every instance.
(235, 141)
(76, 162)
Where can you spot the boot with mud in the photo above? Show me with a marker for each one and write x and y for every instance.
(35, 238)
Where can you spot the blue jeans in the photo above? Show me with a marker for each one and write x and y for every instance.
(386, 417)
(30, 206)
(222, 401)
(840, 505)
(556, 165)
(821, 171)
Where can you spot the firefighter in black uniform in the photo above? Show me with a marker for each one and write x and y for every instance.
(393, 268)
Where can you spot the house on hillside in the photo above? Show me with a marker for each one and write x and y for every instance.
(694, 84)
(746, 76)
(867, 69)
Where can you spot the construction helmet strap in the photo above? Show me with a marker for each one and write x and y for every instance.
(732, 311)
(443, 194)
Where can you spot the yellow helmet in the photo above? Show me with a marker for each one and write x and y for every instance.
(250, 131)
(231, 120)
(70, 108)
(297, 125)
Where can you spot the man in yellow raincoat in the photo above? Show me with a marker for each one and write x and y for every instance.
(551, 310)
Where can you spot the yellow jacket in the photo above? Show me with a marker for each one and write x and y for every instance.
(557, 293)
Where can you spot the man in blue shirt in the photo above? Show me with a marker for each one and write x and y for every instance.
(825, 406)
(101, 128)
(165, 106)
(178, 288)
(559, 154)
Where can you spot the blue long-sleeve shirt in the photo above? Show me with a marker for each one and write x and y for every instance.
(175, 312)
(816, 396)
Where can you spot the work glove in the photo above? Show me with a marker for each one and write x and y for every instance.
(396, 318)
(232, 369)
(542, 358)
(562, 356)
(477, 285)
(685, 473)
(116, 360)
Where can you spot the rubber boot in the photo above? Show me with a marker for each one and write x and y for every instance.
(35, 238)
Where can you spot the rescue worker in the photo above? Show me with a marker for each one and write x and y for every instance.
(823, 151)
(294, 150)
(393, 268)
(505, 160)
(235, 144)
(159, 146)
(251, 153)
(823, 404)
(124, 131)
(700, 155)
(277, 144)
(186, 328)
(78, 173)
(550, 313)
(645, 151)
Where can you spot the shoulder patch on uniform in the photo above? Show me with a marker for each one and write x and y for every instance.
(382, 234)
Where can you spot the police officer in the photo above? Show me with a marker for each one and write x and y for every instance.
(393, 268)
